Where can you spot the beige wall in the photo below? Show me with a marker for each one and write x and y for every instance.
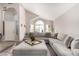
(22, 22)
(68, 22)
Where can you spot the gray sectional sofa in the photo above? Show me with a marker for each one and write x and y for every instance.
(65, 45)
(62, 44)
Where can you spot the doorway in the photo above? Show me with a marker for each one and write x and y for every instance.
(10, 24)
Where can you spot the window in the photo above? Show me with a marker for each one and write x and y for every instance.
(31, 28)
(39, 26)
(47, 28)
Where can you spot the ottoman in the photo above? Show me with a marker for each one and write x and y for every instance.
(24, 49)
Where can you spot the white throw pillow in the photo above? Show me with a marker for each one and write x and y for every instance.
(75, 47)
(61, 36)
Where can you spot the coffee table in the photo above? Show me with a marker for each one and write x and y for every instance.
(25, 49)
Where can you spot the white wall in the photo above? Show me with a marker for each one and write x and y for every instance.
(3, 16)
(1, 28)
(48, 11)
(29, 17)
(68, 22)
(20, 16)
(22, 22)
(46, 22)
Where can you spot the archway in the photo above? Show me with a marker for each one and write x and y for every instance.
(10, 24)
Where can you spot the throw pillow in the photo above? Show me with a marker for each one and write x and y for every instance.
(55, 35)
(75, 47)
(61, 36)
(68, 41)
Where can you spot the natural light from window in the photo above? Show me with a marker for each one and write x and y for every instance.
(39, 26)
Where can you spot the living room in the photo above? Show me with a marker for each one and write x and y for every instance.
(64, 18)
(39, 29)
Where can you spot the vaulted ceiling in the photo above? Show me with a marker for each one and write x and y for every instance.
(49, 11)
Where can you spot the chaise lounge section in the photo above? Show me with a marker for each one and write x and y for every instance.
(63, 45)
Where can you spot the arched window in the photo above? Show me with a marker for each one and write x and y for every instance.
(39, 26)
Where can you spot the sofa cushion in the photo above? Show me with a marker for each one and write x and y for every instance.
(75, 47)
(61, 36)
(61, 50)
(67, 41)
(54, 40)
(59, 47)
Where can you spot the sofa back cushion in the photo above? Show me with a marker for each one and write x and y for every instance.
(55, 35)
(47, 34)
(67, 41)
(61, 36)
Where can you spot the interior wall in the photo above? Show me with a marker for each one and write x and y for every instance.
(68, 22)
(1, 20)
(20, 19)
(29, 17)
(5, 16)
(22, 22)
(48, 22)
